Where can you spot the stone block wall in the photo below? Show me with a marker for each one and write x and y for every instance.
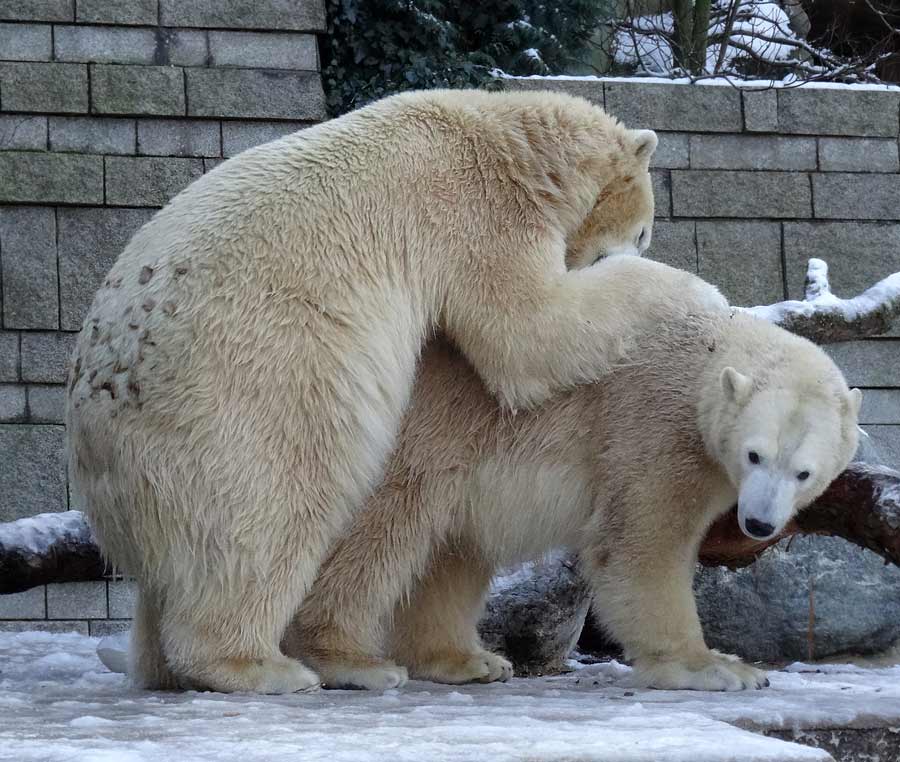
(108, 108)
(749, 185)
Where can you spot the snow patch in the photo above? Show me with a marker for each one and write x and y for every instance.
(83, 712)
(37, 533)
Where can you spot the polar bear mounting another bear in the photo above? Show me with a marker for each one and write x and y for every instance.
(710, 411)
(241, 376)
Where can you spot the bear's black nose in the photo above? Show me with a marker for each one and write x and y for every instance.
(758, 528)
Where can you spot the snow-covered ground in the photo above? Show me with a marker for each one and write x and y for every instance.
(57, 702)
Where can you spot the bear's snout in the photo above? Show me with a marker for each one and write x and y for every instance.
(759, 529)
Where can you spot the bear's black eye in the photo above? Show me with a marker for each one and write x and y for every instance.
(803, 476)
(754, 457)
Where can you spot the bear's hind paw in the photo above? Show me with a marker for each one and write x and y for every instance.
(455, 669)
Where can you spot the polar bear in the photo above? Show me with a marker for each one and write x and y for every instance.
(713, 410)
(240, 378)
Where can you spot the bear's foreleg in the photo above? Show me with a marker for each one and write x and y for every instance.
(435, 631)
(548, 329)
(642, 582)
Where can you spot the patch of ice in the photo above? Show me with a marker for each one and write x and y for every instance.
(80, 711)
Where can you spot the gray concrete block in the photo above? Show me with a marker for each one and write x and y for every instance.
(752, 152)
(37, 10)
(673, 151)
(179, 137)
(87, 134)
(28, 265)
(813, 111)
(662, 192)
(136, 12)
(51, 178)
(674, 244)
(882, 446)
(27, 605)
(239, 136)
(47, 404)
(45, 356)
(872, 362)
(32, 470)
(25, 42)
(122, 597)
(9, 356)
(13, 406)
(300, 15)
(714, 193)
(139, 181)
(856, 196)
(682, 108)
(210, 164)
(880, 406)
(19, 132)
(743, 259)
(589, 90)
(255, 94)
(858, 155)
(85, 600)
(80, 627)
(43, 87)
(100, 628)
(90, 240)
(150, 90)
(760, 110)
(264, 51)
(123, 45)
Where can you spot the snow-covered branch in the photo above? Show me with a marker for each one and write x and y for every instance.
(825, 318)
(49, 547)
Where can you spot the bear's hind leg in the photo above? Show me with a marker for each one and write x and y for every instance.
(230, 646)
(435, 632)
(340, 628)
(147, 666)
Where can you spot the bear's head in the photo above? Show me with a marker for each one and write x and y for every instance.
(620, 222)
(783, 436)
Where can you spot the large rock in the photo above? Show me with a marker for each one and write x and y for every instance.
(812, 597)
(535, 615)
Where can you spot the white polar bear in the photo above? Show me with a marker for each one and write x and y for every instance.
(241, 376)
(712, 411)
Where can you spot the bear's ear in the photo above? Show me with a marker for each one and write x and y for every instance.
(645, 142)
(735, 386)
(852, 402)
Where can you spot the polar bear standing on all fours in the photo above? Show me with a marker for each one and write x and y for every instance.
(712, 410)
(241, 375)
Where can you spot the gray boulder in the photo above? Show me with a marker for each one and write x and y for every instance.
(534, 615)
(810, 597)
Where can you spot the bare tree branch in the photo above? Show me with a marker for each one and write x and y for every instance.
(862, 506)
(825, 318)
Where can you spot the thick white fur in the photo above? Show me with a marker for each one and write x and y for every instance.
(240, 378)
(629, 473)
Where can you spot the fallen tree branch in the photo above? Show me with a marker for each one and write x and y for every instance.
(825, 318)
(49, 547)
(862, 506)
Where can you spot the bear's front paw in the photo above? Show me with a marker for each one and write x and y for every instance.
(711, 671)
(455, 669)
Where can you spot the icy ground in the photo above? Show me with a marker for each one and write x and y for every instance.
(57, 702)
